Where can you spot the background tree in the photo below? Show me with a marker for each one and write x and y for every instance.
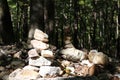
(36, 16)
(49, 12)
(42, 17)
(92, 24)
(6, 29)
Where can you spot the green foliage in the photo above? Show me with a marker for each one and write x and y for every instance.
(95, 21)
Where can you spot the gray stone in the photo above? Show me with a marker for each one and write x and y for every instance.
(39, 45)
(17, 64)
(5, 77)
(41, 61)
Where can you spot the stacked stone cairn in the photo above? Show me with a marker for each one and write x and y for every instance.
(44, 64)
(40, 60)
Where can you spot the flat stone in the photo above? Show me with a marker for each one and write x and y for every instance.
(41, 61)
(73, 54)
(29, 67)
(39, 45)
(47, 53)
(26, 75)
(40, 35)
(33, 53)
(49, 70)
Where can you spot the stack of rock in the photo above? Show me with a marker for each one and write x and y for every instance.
(70, 61)
(75, 61)
(40, 60)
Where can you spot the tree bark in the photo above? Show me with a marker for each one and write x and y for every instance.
(49, 18)
(6, 29)
(36, 16)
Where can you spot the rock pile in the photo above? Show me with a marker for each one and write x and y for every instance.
(44, 64)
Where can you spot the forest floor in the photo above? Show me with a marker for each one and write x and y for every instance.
(15, 56)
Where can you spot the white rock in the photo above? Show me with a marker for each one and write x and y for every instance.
(33, 53)
(49, 70)
(28, 67)
(39, 45)
(41, 61)
(73, 54)
(40, 35)
(47, 53)
(86, 62)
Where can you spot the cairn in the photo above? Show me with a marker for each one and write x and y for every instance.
(44, 64)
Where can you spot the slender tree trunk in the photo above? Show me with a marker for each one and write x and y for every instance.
(49, 19)
(6, 29)
(94, 25)
(25, 20)
(118, 32)
(36, 16)
(75, 35)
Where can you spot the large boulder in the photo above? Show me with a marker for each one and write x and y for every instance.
(98, 57)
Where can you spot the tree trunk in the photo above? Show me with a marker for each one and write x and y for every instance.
(49, 18)
(6, 29)
(36, 16)
(75, 35)
(25, 20)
